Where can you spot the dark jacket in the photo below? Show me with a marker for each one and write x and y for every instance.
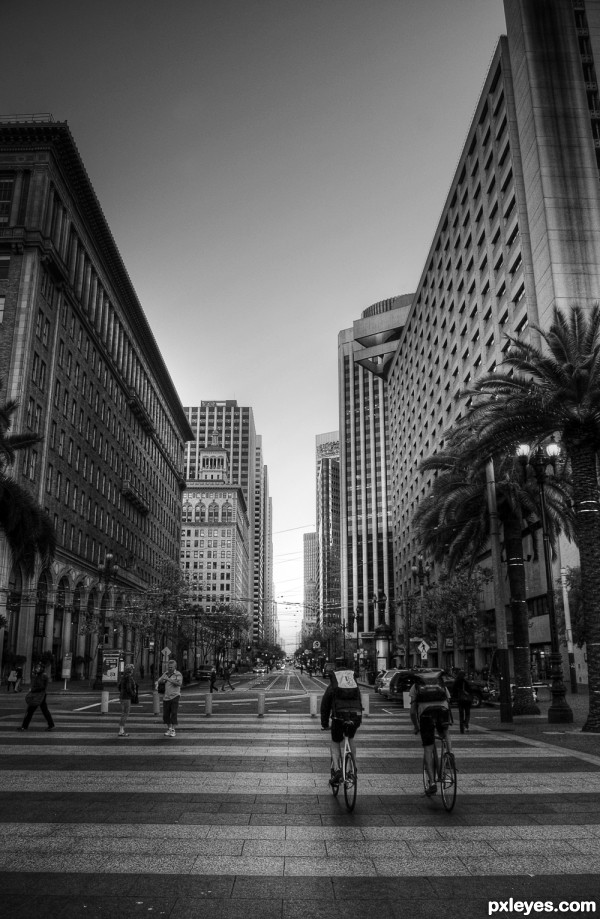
(461, 684)
(127, 687)
(39, 682)
(331, 703)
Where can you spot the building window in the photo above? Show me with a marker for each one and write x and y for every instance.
(6, 193)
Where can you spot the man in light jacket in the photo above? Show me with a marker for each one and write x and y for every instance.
(173, 681)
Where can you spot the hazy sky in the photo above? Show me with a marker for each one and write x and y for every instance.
(269, 168)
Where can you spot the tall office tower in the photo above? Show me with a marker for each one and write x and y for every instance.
(271, 623)
(215, 544)
(238, 437)
(519, 234)
(367, 585)
(311, 578)
(327, 452)
(79, 357)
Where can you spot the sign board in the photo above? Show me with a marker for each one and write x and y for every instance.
(423, 648)
(316, 644)
(66, 666)
(110, 666)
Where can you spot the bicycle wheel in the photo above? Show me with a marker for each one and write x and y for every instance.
(448, 780)
(350, 782)
(335, 787)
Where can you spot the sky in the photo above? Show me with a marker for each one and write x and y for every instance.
(269, 169)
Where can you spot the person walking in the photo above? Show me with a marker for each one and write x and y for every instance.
(37, 697)
(173, 681)
(128, 691)
(462, 693)
(12, 680)
(227, 678)
(213, 679)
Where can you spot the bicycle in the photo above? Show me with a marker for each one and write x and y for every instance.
(349, 777)
(444, 773)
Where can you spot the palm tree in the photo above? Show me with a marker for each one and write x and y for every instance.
(556, 392)
(27, 528)
(453, 522)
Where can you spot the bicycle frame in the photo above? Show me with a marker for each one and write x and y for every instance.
(444, 773)
(349, 778)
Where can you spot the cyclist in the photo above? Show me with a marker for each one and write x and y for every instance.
(430, 712)
(341, 701)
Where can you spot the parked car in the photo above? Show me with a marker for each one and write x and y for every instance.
(401, 682)
(383, 679)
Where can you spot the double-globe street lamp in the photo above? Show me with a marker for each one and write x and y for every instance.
(539, 460)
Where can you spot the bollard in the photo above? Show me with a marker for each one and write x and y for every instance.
(365, 698)
(104, 702)
(261, 704)
(155, 703)
(313, 704)
(208, 704)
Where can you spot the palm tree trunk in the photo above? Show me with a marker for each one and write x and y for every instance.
(587, 521)
(523, 702)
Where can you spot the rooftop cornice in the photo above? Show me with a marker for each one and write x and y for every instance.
(56, 137)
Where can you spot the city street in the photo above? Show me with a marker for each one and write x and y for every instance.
(236, 811)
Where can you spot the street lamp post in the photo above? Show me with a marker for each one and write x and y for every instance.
(107, 571)
(559, 711)
(422, 572)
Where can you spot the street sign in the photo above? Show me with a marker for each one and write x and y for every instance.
(423, 648)
(316, 645)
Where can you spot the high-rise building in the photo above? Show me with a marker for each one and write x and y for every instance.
(215, 545)
(78, 355)
(243, 447)
(310, 578)
(367, 583)
(519, 234)
(327, 455)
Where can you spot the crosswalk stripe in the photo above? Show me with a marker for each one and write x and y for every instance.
(222, 830)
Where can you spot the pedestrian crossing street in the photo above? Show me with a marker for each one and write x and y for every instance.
(242, 797)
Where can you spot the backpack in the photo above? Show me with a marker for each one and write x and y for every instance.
(346, 701)
(430, 690)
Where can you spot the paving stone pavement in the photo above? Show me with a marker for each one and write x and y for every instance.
(234, 818)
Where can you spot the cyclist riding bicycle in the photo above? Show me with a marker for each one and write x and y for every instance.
(341, 701)
(430, 712)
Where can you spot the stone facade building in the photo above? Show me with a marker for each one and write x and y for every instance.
(77, 353)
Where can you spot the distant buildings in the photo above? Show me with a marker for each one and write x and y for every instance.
(215, 544)
(231, 427)
(367, 583)
(327, 456)
(78, 355)
(311, 576)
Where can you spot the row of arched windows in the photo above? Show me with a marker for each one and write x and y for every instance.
(200, 513)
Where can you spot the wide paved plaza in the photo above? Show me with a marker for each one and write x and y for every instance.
(234, 818)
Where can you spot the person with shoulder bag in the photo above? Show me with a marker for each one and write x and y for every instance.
(462, 693)
(37, 697)
(128, 696)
